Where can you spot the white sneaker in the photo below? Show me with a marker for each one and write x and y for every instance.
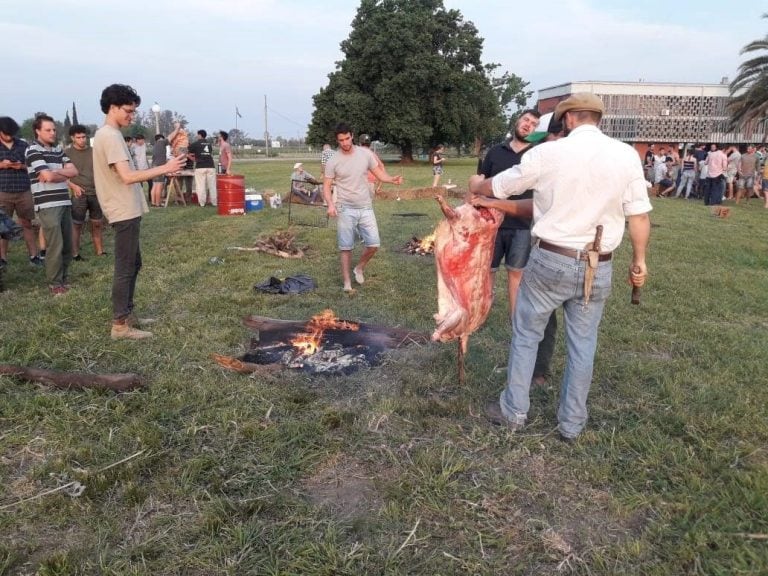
(359, 278)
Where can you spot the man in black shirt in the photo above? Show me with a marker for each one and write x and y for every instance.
(201, 151)
(513, 240)
(159, 157)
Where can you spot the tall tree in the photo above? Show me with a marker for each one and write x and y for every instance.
(74, 114)
(412, 76)
(749, 90)
(67, 126)
(144, 122)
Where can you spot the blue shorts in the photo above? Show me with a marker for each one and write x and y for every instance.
(362, 220)
(514, 246)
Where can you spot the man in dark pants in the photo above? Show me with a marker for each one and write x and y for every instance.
(717, 166)
(118, 187)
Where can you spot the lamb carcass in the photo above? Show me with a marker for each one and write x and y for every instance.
(463, 252)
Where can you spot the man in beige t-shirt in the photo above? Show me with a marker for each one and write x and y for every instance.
(118, 187)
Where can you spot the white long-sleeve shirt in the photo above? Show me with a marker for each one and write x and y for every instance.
(579, 182)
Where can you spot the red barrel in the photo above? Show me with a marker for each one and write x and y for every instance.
(230, 194)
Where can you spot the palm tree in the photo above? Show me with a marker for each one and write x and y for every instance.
(749, 90)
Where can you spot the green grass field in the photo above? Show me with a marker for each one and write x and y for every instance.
(391, 470)
(275, 174)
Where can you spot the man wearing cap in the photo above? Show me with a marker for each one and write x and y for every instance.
(583, 183)
(299, 180)
(365, 142)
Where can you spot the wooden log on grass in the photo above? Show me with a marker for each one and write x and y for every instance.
(75, 380)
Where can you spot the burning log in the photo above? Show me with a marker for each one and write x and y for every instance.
(324, 344)
(75, 380)
(278, 244)
(423, 247)
(237, 365)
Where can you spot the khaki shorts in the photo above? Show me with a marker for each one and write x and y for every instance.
(86, 203)
(20, 203)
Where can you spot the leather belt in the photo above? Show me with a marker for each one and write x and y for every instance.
(571, 253)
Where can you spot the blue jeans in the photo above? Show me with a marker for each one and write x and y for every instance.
(551, 280)
(686, 181)
(714, 191)
(127, 266)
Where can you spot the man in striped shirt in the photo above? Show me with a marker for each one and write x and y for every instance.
(49, 169)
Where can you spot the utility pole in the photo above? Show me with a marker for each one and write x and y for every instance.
(266, 128)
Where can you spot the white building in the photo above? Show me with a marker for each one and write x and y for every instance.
(659, 112)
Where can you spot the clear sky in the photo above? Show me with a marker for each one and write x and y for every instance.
(203, 58)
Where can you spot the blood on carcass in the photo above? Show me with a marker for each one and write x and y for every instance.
(463, 251)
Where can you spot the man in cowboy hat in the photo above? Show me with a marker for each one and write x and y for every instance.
(583, 183)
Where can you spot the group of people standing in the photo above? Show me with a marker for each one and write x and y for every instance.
(713, 173)
(60, 187)
(200, 159)
(563, 224)
(55, 186)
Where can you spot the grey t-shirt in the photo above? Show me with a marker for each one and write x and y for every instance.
(350, 174)
(158, 152)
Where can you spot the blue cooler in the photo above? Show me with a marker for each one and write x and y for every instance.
(253, 202)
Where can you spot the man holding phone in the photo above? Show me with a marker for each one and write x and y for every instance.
(118, 187)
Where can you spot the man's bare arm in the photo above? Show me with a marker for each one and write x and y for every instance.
(128, 176)
(382, 175)
(327, 194)
(516, 208)
(639, 227)
(480, 185)
(59, 175)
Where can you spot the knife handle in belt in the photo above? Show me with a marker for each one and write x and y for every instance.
(635, 289)
(598, 238)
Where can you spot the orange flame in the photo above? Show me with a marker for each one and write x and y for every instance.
(310, 341)
(427, 244)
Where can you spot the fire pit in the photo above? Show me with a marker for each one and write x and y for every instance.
(323, 345)
(421, 247)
